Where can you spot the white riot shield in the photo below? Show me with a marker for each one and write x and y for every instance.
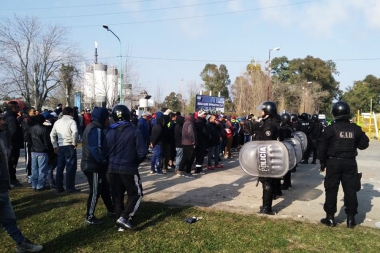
(303, 138)
(291, 153)
(264, 159)
(297, 148)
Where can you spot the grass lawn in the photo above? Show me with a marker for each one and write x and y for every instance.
(57, 222)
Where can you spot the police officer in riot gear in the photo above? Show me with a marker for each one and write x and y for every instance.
(269, 130)
(316, 129)
(305, 127)
(337, 151)
(295, 122)
(286, 131)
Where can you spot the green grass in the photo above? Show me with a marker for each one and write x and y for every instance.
(57, 222)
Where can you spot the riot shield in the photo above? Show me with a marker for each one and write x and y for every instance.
(264, 159)
(297, 148)
(292, 155)
(303, 139)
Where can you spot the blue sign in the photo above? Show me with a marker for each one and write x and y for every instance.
(78, 100)
(209, 104)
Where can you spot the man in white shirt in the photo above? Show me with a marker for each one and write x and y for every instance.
(64, 136)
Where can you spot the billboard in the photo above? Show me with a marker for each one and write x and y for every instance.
(209, 104)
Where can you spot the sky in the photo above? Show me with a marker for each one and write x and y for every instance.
(169, 42)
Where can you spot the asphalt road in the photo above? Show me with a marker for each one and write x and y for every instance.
(232, 190)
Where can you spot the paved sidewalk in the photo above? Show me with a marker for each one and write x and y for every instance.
(232, 190)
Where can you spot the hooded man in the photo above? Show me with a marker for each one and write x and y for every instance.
(94, 164)
(7, 218)
(126, 149)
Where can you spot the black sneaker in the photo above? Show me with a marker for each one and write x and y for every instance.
(125, 223)
(16, 183)
(75, 190)
(28, 246)
(94, 221)
(43, 188)
(60, 190)
(110, 214)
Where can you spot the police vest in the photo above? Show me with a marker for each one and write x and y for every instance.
(343, 143)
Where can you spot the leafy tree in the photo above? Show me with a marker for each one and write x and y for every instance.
(360, 94)
(173, 102)
(31, 56)
(216, 79)
(317, 72)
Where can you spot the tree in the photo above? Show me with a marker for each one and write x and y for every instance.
(360, 94)
(249, 89)
(67, 75)
(31, 57)
(173, 102)
(216, 79)
(297, 72)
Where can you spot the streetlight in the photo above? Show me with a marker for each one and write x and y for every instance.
(121, 66)
(269, 69)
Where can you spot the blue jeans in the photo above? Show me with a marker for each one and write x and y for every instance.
(247, 138)
(8, 218)
(155, 164)
(178, 157)
(39, 169)
(213, 151)
(67, 157)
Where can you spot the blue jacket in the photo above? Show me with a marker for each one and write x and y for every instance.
(143, 126)
(94, 152)
(126, 148)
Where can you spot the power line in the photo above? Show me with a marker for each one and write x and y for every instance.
(201, 16)
(208, 60)
(75, 6)
(138, 11)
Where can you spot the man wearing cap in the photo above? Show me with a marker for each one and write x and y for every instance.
(86, 118)
(94, 164)
(143, 126)
(59, 109)
(17, 139)
(64, 136)
(7, 215)
(203, 137)
(189, 143)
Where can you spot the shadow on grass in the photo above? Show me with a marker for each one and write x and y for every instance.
(83, 236)
(40, 202)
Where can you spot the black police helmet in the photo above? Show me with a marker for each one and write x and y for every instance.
(121, 113)
(314, 117)
(304, 116)
(285, 118)
(293, 117)
(269, 108)
(341, 110)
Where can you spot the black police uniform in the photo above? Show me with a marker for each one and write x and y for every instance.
(305, 127)
(316, 129)
(268, 130)
(286, 131)
(337, 150)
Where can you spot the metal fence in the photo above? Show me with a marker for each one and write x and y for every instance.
(369, 123)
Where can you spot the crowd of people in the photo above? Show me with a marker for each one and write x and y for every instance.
(115, 141)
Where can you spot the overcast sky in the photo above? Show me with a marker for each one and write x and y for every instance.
(167, 40)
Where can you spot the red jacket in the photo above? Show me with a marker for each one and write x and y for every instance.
(86, 119)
